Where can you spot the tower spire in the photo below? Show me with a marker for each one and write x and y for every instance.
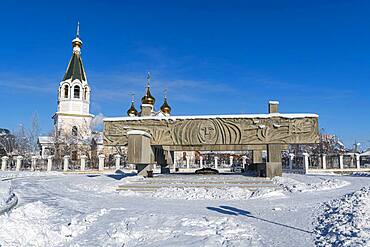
(165, 108)
(148, 77)
(78, 30)
(132, 112)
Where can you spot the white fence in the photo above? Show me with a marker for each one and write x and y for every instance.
(326, 163)
(36, 163)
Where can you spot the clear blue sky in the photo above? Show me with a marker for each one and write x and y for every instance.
(215, 57)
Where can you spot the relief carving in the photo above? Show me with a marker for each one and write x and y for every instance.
(216, 131)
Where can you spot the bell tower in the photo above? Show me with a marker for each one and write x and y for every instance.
(73, 115)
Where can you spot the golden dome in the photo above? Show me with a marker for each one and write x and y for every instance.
(132, 111)
(165, 108)
(148, 97)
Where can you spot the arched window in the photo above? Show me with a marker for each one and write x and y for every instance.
(74, 131)
(76, 92)
(66, 90)
(85, 93)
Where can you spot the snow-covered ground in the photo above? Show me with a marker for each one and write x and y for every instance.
(87, 210)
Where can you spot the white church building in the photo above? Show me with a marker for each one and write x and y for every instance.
(72, 120)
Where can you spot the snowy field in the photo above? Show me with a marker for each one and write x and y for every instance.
(88, 210)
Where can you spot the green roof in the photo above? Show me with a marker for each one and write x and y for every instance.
(75, 68)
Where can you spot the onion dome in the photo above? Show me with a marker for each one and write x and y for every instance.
(165, 108)
(132, 111)
(148, 97)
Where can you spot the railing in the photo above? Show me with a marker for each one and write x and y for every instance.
(326, 163)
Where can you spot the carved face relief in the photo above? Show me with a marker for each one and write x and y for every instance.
(207, 132)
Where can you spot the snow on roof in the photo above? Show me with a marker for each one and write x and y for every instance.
(274, 102)
(46, 139)
(296, 115)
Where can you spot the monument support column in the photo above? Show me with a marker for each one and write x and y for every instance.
(50, 163)
(65, 163)
(231, 160)
(201, 162)
(274, 163)
(216, 162)
(4, 162)
(83, 162)
(324, 161)
(140, 151)
(101, 161)
(257, 156)
(117, 161)
(19, 163)
(187, 161)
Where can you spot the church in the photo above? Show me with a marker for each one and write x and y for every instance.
(72, 133)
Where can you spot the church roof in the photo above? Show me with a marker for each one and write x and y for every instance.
(75, 68)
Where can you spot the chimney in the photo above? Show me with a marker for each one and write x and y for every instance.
(273, 106)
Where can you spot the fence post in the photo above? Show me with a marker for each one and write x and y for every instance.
(83, 162)
(358, 164)
(50, 163)
(19, 163)
(231, 160)
(33, 162)
(291, 159)
(118, 161)
(101, 162)
(306, 161)
(324, 161)
(341, 166)
(65, 163)
(244, 162)
(4, 162)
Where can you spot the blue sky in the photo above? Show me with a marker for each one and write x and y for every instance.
(215, 57)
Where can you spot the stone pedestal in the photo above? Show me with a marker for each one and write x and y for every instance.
(65, 163)
(4, 162)
(117, 161)
(83, 162)
(324, 161)
(50, 163)
(306, 161)
(33, 162)
(101, 161)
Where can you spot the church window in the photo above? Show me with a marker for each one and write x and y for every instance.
(74, 131)
(66, 89)
(76, 92)
(85, 93)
